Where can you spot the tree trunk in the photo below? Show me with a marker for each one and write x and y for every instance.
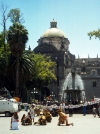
(17, 77)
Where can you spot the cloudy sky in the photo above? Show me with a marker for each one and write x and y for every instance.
(74, 17)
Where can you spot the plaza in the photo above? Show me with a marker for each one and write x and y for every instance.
(82, 125)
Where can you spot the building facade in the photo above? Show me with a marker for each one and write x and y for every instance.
(55, 44)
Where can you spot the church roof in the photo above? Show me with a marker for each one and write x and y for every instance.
(53, 31)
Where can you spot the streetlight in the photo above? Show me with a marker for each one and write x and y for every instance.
(60, 96)
(34, 92)
(57, 73)
(52, 96)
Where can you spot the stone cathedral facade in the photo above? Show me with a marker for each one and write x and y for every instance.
(55, 44)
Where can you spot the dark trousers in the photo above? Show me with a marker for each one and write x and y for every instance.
(84, 110)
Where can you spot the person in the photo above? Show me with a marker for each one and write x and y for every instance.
(94, 111)
(26, 107)
(63, 118)
(27, 120)
(32, 113)
(41, 120)
(53, 112)
(23, 119)
(19, 107)
(62, 105)
(70, 107)
(99, 110)
(47, 114)
(14, 124)
(84, 107)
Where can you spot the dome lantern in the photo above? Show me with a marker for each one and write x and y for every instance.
(53, 31)
(53, 24)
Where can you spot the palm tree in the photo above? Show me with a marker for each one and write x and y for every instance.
(17, 38)
(26, 68)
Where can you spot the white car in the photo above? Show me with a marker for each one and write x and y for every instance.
(8, 107)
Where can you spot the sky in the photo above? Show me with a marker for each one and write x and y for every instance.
(74, 17)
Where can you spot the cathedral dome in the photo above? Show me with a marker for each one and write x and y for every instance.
(53, 31)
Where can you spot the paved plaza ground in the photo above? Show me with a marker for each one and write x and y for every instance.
(82, 125)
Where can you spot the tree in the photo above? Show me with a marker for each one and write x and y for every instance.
(4, 19)
(94, 33)
(43, 70)
(4, 59)
(17, 38)
(1, 40)
(16, 16)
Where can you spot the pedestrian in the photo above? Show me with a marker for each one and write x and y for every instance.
(14, 124)
(32, 113)
(99, 110)
(19, 107)
(84, 107)
(94, 111)
(70, 107)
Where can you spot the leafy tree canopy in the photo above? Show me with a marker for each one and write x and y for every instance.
(17, 38)
(43, 71)
(16, 16)
(94, 33)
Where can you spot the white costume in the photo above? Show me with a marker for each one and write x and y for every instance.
(14, 124)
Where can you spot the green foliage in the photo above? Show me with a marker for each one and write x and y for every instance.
(17, 33)
(17, 37)
(15, 16)
(94, 33)
(25, 68)
(1, 40)
(4, 59)
(43, 70)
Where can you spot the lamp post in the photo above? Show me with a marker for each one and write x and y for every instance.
(52, 96)
(60, 96)
(34, 93)
(57, 74)
(45, 96)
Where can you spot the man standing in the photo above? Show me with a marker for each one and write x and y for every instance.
(84, 107)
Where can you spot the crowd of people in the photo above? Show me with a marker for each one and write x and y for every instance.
(46, 113)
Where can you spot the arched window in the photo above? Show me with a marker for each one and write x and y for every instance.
(93, 72)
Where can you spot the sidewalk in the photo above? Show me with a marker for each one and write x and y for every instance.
(82, 125)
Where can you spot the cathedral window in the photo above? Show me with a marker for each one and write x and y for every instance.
(93, 72)
(83, 70)
(94, 84)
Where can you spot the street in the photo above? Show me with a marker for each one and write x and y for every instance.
(82, 125)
